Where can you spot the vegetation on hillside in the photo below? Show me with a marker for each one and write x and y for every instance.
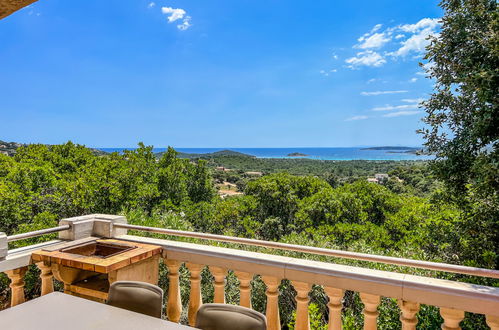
(9, 148)
(405, 217)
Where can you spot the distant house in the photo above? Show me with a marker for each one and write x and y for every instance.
(222, 169)
(254, 173)
(381, 177)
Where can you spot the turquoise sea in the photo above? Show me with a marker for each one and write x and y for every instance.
(312, 153)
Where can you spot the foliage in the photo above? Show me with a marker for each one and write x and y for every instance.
(54, 182)
(463, 120)
(278, 195)
(303, 166)
(408, 218)
(315, 316)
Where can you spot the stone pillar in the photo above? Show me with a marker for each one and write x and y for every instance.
(302, 300)
(174, 307)
(272, 311)
(195, 299)
(47, 277)
(81, 227)
(370, 311)
(452, 318)
(244, 288)
(104, 225)
(408, 313)
(16, 277)
(4, 248)
(219, 275)
(92, 225)
(335, 306)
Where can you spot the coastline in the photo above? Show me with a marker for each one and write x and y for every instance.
(322, 154)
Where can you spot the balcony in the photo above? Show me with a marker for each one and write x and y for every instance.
(452, 298)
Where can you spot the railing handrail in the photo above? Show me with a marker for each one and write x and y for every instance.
(36, 233)
(437, 266)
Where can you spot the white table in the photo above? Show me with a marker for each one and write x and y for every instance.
(59, 311)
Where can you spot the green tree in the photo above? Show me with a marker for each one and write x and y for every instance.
(279, 194)
(463, 120)
(200, 183)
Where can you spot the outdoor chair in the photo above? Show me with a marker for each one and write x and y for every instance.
(223, 317)
(136, 296)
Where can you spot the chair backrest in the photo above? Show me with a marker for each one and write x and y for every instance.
(136, 296)
(223, 317)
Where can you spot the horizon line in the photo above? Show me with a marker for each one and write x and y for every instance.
(358, 146)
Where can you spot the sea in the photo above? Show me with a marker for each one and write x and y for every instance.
(312, 153)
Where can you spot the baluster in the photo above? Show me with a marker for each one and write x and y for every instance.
(302, 299)
(244, 288)
(16, 277)
(493, 322)
(195, 300)
(47, 277)
(408, 315)
(174, 307)
(335, 305)
(219, 275)
(370, 311)
(452, 318)
(272, 311)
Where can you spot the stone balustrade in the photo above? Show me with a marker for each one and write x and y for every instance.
(453, 298)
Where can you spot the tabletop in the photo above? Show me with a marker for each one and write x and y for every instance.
(58, 311)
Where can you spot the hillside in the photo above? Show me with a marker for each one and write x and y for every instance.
(9, 148)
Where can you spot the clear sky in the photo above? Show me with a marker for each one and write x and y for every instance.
(220, 73)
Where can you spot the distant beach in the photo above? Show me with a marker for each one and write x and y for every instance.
(373, 153)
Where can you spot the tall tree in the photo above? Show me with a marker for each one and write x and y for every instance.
(462, 116)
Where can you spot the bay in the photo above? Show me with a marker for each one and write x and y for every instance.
(354, 153)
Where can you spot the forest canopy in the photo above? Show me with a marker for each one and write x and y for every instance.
(406, 216)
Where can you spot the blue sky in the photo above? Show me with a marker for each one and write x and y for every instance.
(198, 73)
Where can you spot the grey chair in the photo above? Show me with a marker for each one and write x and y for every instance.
(225, 317)
(136, 296)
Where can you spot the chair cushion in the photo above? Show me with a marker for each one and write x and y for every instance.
(222, 317)
(138, 297)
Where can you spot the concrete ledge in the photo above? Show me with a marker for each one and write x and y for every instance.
(21, 257)
(92, 225)
(246, 261)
